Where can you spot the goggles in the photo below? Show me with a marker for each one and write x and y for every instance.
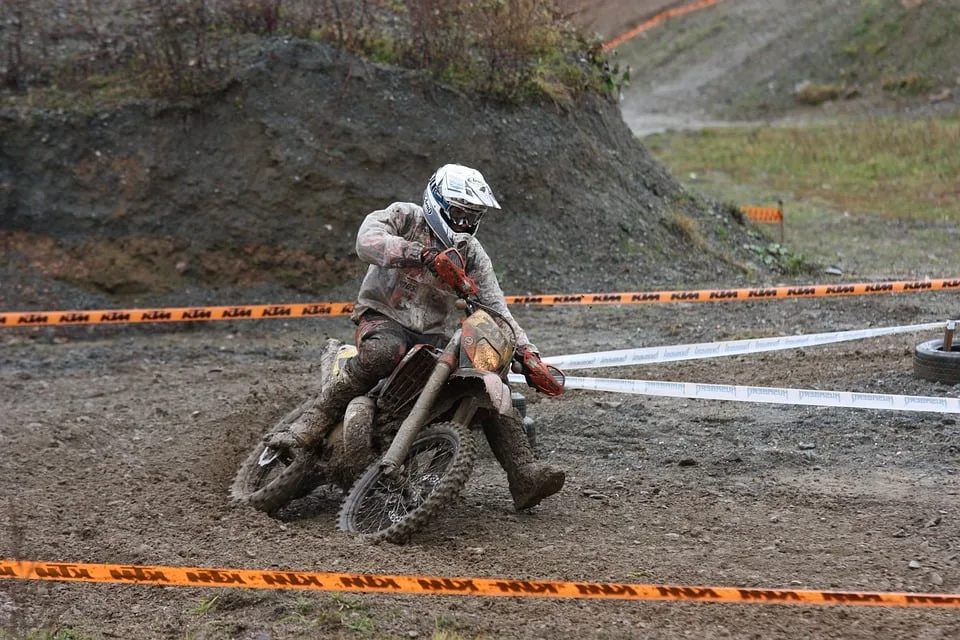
(462, 218)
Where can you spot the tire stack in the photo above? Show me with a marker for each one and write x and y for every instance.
(931, 362)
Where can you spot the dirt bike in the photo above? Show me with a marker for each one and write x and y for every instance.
(406, 447)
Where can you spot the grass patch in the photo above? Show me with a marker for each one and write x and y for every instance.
(890, 185)
(88, 100)
(206, 606)
(329, 616)
(688, 229)
(903, 169)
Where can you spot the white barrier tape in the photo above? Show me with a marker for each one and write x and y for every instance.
(653, 355)
(770, 395)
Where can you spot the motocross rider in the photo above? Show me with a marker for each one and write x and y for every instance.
(403, 301)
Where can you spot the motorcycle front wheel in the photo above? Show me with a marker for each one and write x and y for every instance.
(269, 479)
(431, 477)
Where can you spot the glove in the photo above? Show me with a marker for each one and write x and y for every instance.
(428, 258)
(448, 267)
(543, 377)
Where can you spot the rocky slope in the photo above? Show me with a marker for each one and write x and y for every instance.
(267, 182)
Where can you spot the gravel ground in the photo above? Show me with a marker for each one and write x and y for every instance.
(120, 449)
(120, 444)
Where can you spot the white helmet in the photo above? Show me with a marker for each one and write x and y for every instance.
(455, 200)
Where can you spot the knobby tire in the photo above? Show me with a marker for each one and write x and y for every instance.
(454, 478)
(295, 481)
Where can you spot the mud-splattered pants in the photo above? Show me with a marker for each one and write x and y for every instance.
(381, 345)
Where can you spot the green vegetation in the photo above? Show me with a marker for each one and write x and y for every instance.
(892, 183)
(333, 614)
(910, 84)
(510, 49)
(205, 606)
(887, 36)
(772, 254)
(908, 48)
(898, 168)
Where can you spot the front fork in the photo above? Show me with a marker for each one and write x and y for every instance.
(418, 415)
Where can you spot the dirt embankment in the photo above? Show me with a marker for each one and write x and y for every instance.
(269, 180)
(610, 18)
(765, 59)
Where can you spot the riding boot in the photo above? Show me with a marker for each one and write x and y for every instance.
(339, 389)
(530, 481)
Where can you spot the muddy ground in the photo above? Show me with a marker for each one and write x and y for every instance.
(120, 449)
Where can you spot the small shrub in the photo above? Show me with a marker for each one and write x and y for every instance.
(687, 228)
(780, 259)
(814, 94)
(514, 49)
(613, 78)
(733, 210)
(249, 16)
(911, 84)
(176, 54)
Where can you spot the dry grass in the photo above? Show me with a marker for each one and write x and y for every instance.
(898, 168)
(687, 228)
(176, 48)
(814, 94)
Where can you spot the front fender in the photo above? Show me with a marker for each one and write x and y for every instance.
(497, 390)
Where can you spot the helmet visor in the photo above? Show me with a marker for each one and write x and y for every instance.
(464, 219)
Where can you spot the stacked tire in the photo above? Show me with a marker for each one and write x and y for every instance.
(931, 362)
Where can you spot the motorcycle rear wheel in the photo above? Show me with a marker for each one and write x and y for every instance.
(431, 477)
(290, 475)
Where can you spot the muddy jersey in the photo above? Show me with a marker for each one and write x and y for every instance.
(400, 287)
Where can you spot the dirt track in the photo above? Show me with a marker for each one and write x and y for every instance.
(120, 447)
(121, 450)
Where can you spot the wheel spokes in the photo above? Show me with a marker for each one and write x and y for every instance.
(389, 501)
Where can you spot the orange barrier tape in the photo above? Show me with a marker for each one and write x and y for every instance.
(657, 19)
(177, 314)
(763, 214)
(326, 309)
(722, 295)
(430, 585)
